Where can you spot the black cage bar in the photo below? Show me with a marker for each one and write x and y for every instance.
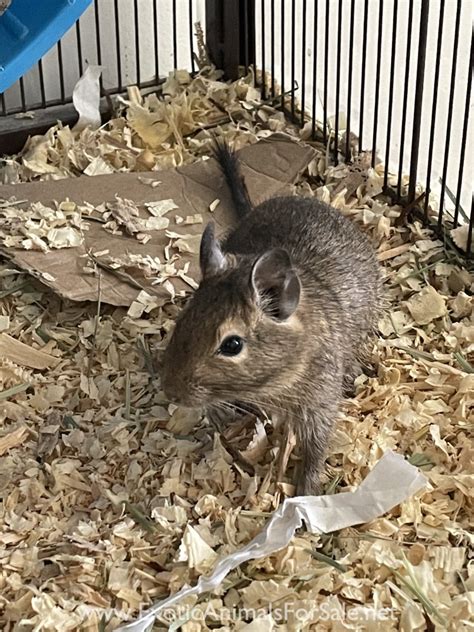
(396, 75)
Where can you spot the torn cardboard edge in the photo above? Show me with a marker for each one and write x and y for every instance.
(270, 167)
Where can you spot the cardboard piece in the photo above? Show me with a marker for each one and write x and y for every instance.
(269, 167)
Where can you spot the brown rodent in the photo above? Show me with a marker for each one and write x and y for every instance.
(285, 304)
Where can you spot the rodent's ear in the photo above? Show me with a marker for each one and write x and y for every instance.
(211, 257)
(276, 283)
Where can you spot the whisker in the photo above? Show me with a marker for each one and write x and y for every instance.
(268, 405)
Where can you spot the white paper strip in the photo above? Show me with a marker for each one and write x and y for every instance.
(86, 98)
(390, 482)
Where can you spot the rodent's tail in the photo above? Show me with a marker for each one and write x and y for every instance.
(229, 164)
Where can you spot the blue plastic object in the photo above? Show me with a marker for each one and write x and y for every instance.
(28, 29)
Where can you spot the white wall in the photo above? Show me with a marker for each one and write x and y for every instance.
(402, 36)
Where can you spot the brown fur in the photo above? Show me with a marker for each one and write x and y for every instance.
(299, 366)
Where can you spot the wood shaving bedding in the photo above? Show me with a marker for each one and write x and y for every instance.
(152, 134)
(112, 498)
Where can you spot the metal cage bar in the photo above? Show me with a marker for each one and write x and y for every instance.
(363, 74)
(405, 102)
(420, 80)
(377, 84)
(338, 80)
(434, 108)
(462, 154)
(449, 121)
(390, 96)
(350, 67)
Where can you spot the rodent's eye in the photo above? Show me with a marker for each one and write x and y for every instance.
(231, 346)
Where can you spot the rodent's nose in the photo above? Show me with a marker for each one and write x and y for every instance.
(181, 392)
